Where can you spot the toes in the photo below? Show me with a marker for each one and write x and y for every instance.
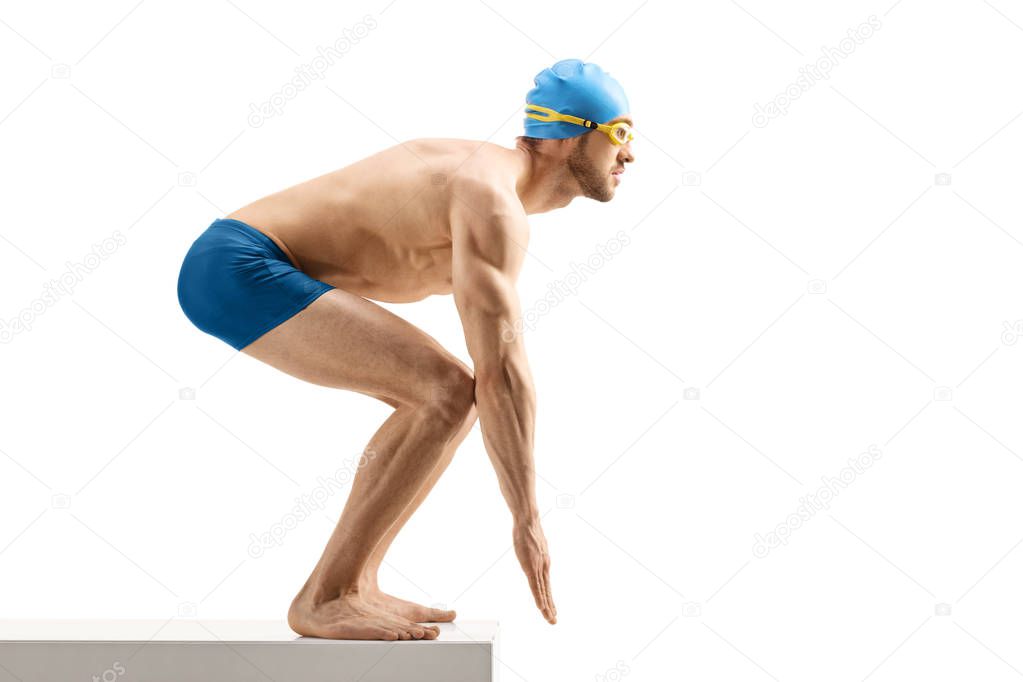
(366, 631)
(402, 627)
(440, 616)
(385, 634)
(409, 629)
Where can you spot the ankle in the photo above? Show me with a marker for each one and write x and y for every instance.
(368, 576)
(316, 592)
(368, 584)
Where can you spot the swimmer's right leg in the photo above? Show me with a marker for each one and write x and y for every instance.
(342, 340)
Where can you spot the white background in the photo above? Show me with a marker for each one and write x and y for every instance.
(811, 279)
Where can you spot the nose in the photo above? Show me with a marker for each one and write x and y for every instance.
(625, 155)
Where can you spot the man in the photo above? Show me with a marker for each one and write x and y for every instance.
(288, 280)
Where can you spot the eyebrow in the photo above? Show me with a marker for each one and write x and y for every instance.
(625, 119)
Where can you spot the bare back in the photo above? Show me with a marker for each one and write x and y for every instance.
(381, 227)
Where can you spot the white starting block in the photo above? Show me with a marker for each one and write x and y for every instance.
(230, 651)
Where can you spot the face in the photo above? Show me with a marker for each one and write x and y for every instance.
(596, 163)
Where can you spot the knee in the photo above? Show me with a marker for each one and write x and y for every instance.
(453, 395)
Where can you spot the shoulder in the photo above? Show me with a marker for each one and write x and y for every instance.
(474, 194)
(485, 171)
(488, 222)
(486, 216)
(485, 184)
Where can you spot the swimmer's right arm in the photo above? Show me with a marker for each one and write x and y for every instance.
(488, 235)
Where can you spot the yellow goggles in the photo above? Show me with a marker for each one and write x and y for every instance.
(619, 133)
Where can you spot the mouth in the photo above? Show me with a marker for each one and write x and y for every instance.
(617, 174)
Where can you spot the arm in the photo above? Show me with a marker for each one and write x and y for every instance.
(485, 263)
(487, 236)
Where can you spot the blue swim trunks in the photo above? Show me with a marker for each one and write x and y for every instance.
(237, 284)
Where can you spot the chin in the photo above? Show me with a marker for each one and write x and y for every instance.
(598, 188)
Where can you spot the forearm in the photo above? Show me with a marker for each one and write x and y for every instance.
(506, 404)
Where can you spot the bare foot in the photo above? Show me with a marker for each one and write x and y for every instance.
(351, 617)
(406, 609)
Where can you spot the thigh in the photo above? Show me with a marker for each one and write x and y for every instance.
(342, 340)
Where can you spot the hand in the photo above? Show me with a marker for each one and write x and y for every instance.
(531, 549)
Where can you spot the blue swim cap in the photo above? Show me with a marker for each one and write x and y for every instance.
(578, 88)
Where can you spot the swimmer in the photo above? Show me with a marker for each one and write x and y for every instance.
(291, 280)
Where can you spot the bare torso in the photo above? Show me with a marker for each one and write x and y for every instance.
(380, 227)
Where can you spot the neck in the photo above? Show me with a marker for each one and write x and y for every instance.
(543, 181)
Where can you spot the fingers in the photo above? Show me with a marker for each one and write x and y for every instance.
(539, 583)
(552, 611)
(535, 561)
(548, 603)
(534, 586)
